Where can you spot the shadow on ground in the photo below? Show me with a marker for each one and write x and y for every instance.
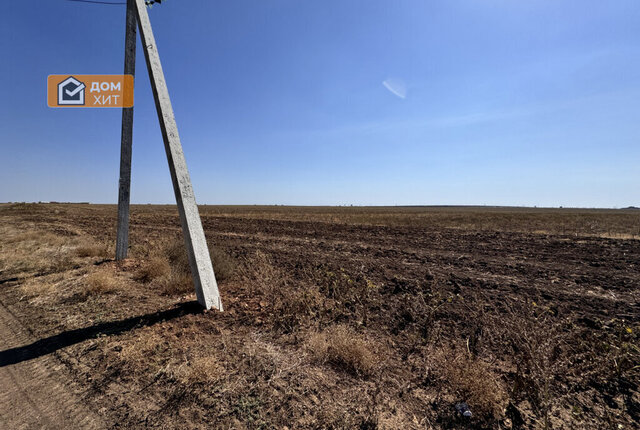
(51, 344)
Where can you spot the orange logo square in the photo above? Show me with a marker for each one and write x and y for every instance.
(90, 91)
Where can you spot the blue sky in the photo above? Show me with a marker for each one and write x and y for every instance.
(284, 102)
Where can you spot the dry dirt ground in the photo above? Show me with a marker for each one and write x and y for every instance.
(35, 393)
(370, 318)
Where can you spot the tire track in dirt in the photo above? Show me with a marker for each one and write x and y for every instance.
(34, 394)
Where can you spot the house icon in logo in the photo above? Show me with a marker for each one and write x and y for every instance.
(71, 92)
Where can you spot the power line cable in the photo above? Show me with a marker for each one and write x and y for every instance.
(98, 2)
(147, 2)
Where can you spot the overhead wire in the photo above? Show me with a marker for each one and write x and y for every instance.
(147, 2)
(98, 2)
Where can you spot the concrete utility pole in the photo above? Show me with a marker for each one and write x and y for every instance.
(199, 259)
(124, 192)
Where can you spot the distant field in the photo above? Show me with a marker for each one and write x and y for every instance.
(623, 223)
(337, 317)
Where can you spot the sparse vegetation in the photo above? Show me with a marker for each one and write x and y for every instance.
(102, 281)
(167, 266)
(471, 380)
(88, 248)
(31, 251)
(290, 306)
(341, 317)
(153, 268)
(344, 349)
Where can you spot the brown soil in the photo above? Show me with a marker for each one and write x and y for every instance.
(336, 317)
(36, 393)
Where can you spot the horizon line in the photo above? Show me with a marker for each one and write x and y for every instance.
(632, 207)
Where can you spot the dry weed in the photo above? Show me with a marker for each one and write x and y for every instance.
(536, 343)
(176, 284)
(295, 307)
(175, 251)
(336, 417)
(224, 265)
(102, 282)
(145, 351)
(35, 238)
(201, 369)
(153, 268)
(344, 349)
(161, 352)
(351, 294)
(262, 277)
(291, 306)
(344, 287)
(168, 267)
(37, 287)
(88, 248)
(34, 251)
(470, 380)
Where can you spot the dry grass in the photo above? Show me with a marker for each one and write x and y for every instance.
(311, 299)
(305, 325)
(224, 265)
(350, 294)
(167, 266)
(146, 351)
(201, 369)
(344, 349)
(262, 277)
(296, 307)
(89, 248)
(172, 353)
(153, 268)
(102, 282)
(540, 349)
(34, 252)
(37, 289)
(290, 305)
(471, 380)
(176, 253)
(176, 284)
(34, 237)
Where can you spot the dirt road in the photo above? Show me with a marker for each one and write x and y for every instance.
(35, 394)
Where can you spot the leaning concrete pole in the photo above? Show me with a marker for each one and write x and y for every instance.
(124, 192)
(199, 259)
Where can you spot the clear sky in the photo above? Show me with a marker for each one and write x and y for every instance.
(495, 102)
